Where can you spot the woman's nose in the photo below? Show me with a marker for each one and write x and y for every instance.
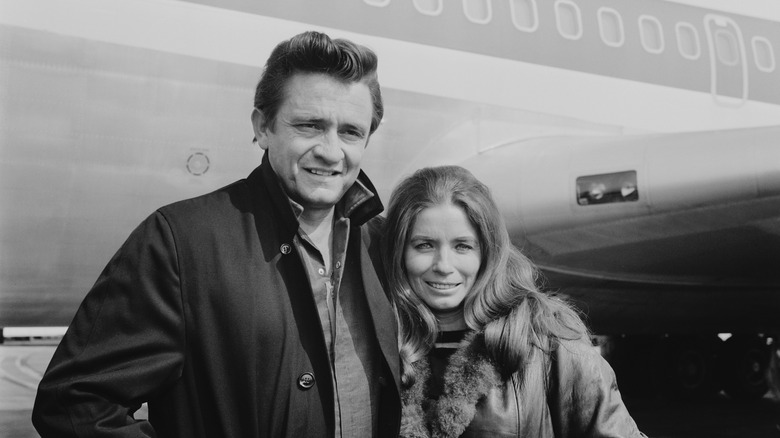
(442, 263)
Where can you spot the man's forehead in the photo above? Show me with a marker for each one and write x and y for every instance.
(304, 85)
(321, 96)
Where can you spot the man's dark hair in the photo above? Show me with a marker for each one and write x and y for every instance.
(315, 52)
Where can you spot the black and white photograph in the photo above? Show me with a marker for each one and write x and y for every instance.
(390, 218)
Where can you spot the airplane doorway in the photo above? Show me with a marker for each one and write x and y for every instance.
(728, 61)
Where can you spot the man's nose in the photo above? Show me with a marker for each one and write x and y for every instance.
(329, 147)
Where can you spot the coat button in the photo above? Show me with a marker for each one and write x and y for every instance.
(306, 381)
(382, 381)
(285, 248)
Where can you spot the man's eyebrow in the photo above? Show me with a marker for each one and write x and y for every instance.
(308, 118)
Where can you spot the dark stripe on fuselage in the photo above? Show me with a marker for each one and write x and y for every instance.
(400, 20)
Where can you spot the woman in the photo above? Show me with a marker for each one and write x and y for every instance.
(484, 352)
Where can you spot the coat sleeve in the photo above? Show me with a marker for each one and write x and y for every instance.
(584, 399)
(125, 344)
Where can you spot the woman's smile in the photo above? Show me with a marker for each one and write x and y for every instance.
(442, 256)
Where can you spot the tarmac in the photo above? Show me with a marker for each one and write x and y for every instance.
(22, 366)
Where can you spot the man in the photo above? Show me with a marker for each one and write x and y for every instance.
(254, 310)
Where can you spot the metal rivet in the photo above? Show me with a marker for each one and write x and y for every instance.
(285, 248)
(306, 381)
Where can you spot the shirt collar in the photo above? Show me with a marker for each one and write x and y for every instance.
(360, 203)
(356, 195)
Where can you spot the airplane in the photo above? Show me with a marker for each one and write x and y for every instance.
(631, 145)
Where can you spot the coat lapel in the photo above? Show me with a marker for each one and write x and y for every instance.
(468, 378)
(381, 311)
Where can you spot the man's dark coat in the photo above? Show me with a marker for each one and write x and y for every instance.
(206, 312)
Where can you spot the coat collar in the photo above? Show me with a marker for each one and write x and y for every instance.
(360, 203)
(468, 378)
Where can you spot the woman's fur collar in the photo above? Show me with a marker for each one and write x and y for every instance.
(468, 378)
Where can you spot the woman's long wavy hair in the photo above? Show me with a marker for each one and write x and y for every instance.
(520, 323)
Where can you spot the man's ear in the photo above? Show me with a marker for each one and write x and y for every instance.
(260, 126)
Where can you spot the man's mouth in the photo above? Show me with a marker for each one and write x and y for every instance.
(322, 172)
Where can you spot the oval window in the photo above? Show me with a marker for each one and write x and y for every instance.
(478, 11)
(688, 41)
(651, 34)
(726, 47)
(763, 54)
(524, 15)
(568, 19)
(429, 7)
(611, 27)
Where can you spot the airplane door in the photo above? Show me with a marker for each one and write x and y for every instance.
(728, 61)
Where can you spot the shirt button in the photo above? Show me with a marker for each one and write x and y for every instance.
(285, 248)
(321, 271)
(306, 381)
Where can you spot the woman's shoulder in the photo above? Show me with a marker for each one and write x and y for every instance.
(577, 347)
(550, 315)
(578, 360)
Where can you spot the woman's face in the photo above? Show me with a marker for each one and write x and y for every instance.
(442, 256)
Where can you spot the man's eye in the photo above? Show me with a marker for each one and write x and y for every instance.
(353, 134)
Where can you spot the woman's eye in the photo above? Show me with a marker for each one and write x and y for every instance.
(464, 247)
(423, 245)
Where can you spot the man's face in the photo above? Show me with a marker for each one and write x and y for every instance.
(316, 143)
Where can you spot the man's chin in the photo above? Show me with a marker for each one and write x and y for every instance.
(323, 202)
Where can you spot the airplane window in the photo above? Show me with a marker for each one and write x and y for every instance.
(651, 33)
(688, 41)
(478, 11)
(726, 47)
(429, 7)
(377, 3)
(611, 27)
(763, 54)
(569, 20)
(524, 15)
(607, 188)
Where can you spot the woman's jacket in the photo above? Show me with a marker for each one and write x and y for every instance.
(581, 398)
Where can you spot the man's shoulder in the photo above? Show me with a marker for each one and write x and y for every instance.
(373, 229)
(224, 207)
(376, 224)
(233, 193)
